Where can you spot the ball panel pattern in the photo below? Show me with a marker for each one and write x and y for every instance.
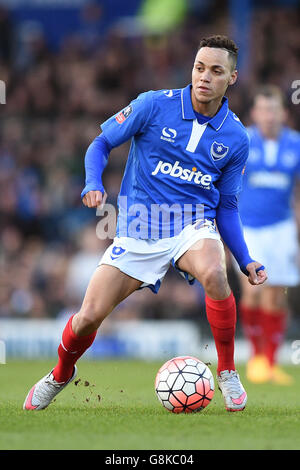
(184, 384)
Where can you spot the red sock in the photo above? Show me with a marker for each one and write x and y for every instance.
(251, 320)
(274, 326)
(221, 315)
(70, 350)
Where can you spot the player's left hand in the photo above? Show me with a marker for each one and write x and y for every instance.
(256, 276)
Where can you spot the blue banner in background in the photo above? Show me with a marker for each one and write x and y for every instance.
(56, 19)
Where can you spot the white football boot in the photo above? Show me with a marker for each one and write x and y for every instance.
(43, 392)
(234, 394)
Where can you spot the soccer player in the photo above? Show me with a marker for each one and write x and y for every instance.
(267, 214)
(184, 170)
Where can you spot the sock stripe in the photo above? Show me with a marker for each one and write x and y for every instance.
(67, 350)
(67, 355)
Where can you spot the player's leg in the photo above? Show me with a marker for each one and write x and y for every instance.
(274, 313)
(250, 315)
(265, 306)
(205, 261)
(107, 288)
(258, 241)
(257, 369)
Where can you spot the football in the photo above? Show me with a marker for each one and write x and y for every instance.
(184, 384)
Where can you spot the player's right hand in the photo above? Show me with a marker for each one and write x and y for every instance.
(94, 199)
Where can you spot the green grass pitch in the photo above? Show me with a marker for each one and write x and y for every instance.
(114, 407)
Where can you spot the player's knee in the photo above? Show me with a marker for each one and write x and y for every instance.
(214, 280)
(89, 317)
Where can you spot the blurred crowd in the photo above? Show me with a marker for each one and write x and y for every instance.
(55, 104)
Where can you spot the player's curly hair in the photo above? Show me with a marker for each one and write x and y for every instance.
(221, 42)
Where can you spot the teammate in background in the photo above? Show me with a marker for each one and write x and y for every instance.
(187, 156)
(266, 208)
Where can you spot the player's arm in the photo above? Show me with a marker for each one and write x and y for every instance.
(115, 131)
(95, 161)
(228, 218)
(231, 231)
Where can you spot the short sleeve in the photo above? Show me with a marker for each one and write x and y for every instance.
(230, 182)
(128, 122)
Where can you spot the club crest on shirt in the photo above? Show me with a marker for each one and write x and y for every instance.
(116, 252)
(218, 150)
(123, 115)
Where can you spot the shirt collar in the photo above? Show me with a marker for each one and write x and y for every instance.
(188, 111)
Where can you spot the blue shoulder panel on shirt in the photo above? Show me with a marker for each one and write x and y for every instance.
(129, 121)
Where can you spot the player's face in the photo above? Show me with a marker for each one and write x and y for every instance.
(212, 73)
(268, 114)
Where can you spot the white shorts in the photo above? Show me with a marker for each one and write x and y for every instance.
(149, 260)
(276, 247)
